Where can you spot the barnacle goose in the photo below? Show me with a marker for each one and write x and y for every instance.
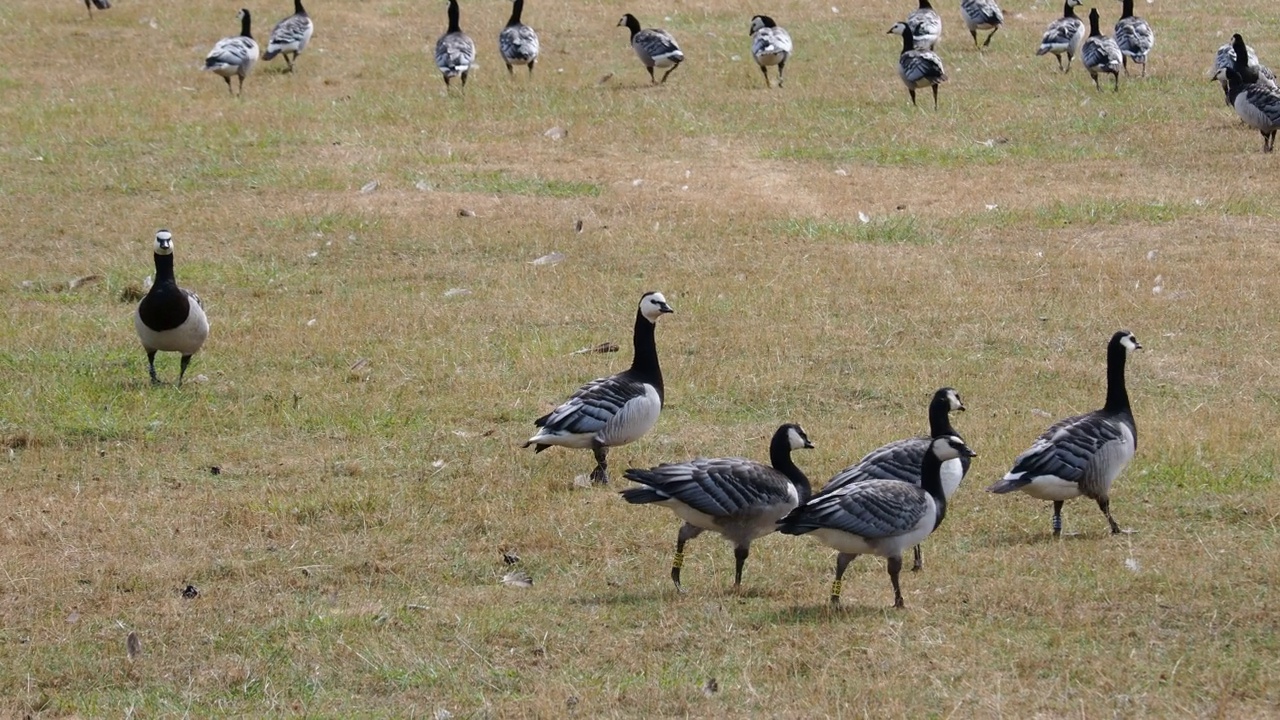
(100, 4)
(615, 410)
(770, 45)
(517, 42)
(918, 68)
(234, 56)
(1257, 104)
(1100, 54)
(900, 459)
(455, 52)
(1082, 455)
(981, 15)
(1249, 69)
(879, 517)
(735, 497)
(169, 319)
(654, 47)
(290, 35)
(1134, 37)
(926, 26)
(1063, 35)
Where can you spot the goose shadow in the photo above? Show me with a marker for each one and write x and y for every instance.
(819, 613)
(669, 595)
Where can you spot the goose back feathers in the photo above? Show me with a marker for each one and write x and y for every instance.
(169, 319)
(918, 68)
(614, 410)
(234, 56)
(737, 498)
(290, 36)
(981, 15)
(770, 45)
(1082, 455)
(926, 26)
(518, 43)
(654, 47)
(1064, 35)
(1134, 38)
(455, 51)
(1100, 54)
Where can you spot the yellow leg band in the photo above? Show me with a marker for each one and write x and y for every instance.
(678, 561)
(835, 589)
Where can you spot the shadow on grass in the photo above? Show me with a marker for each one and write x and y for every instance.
(821, 613)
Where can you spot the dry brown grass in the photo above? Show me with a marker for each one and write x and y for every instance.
(348, 552)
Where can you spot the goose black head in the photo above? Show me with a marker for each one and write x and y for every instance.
(950, 447)
(796, 437)
(630, 22)
(164, 242)
(759, 22)
(653, 305)
(1126, 340)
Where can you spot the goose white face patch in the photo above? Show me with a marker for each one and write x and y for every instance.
(953, 397)
(1130, 343)
(654, 305)
(164, 243)
(796, 439)
(898, 28)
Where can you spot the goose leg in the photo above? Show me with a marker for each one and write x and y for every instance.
(974, 33)
(665, 74)
(1116, 77)
(687, 533)
(739, 559)
(935, 96)
(510, 72)
(1060, 68)
(230, 91)
(781, 65)
(652, 80)
(446, 82)
(1057, 518)
(765, 72)
(600, 475)
(288, 61)
(1124, 60)
(1144, 69)
(917, 563)
(913, 96)
(464, 78)
(842, 562)
(988, 42)
(1104, 504)
(151, 365)
(895, 567)
(240, 92)
(1070, 57)
(186, 360)
(531, 62)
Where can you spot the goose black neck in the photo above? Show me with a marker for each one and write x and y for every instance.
(1242, 57)
(244, 25)
(908, 39)
(1093, 24)
(164, 269)
(766, 21)
(924, 5)
(645, 364)
(453, 17)
(1068, 11)
(517, 7)
(297, 8)
(1117, 396)
(1126, 9)
(940, 417)
(931, 482)
(633, 25)
(780, 458)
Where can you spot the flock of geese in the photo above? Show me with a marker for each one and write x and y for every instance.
(1249, 87)
(890, 500)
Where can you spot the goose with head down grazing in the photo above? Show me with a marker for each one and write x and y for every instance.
(770, 45)
(455, 50)
(234, 56)
(1082, 455)
(918, 68)
(879, 516)
(655, 47)
(740, 499)
(614, 410)
(169, 319)
(1064, 35)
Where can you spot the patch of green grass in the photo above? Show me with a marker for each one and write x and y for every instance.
(893, 230)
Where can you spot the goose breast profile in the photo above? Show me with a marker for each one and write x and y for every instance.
(654, 47)
(1257, 104)
(926, 26)
(615, 410)
(981, 15)
(290, 36)
(1134, 38)
(100, 4)
(1082, 455)
(770, 45)
(455, 51)
(169, 319)
(735, 497)
(234, 56)
(918, 68)
(518, 43)
(1100, 54)
(1064, 35)
(902, 459)
(879, 517)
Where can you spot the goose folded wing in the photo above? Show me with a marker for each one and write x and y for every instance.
(769, 41)
(1069, 448)
(899, 460)
(656, 43)
(593, 405)
(518, 42)
(292, 29)
(1060, 32)
(229, 51)
(875, 509)
(917, 66)
(719, 487)
(1263, 106)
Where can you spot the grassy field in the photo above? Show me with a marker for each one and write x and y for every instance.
(833, 255)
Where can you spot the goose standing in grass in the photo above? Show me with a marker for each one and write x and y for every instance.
(918, 68)
(654, 47)
(735, 497)
(290, 35)
(1064, 35)
(100, 4)
(1082, 455)
(615, 410)
(1257, 104)
(1100, 54)
(901, 459)
(1240, 57)
(455, 51)
(926, 26)
(981, 15)
(770, 45)
(1134, 38)
(234, 56)
(881, 516)
(169, 319)
(517, 42)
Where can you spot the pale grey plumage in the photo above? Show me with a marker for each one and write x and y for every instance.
(1100, 54)
(1257, 104)
(1064, 35)
(290, 36)
(981, 15)
(518, 43)
(655, 47)
(455, 50)
(918, 68)
(1134, 37)
(234, 56)
(770, 45)
(926, 26)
